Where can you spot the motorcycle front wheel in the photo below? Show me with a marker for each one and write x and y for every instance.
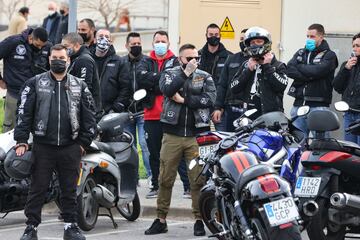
(131, 211)
(88, 208)
(320, 228)
(209, 212)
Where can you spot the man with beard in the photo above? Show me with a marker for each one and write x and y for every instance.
(58, 110)
(212, 59)
(112, 73)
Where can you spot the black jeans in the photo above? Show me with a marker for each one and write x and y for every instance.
(65, 160)
(153, 135)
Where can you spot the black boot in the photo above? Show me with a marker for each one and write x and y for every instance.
(30, 233)
(73, 233)
(156, 228)
(199, 228)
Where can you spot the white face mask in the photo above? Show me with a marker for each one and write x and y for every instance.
(51, 12)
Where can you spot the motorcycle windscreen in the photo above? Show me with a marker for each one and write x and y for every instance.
(236, 162)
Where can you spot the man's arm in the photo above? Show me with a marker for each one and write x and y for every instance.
(241, 79)
(25, 111)
(222, 86)
(292, 69)
(87, 130)
(171, 83)
(341, 80)
(276, 76)
(124, 97)
(146, 78)
(315, 71)
(206, 99)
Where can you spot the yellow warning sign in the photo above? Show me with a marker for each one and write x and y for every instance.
(227, 30)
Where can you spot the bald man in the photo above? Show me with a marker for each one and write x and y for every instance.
(51, 22)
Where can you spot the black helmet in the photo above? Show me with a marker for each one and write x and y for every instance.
(257, 33)
(18, 167)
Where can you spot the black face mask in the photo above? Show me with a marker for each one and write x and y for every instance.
(62, 12)
(213, 41)
(135, 50)
(242, 46)
(58, 66)
(85, 37)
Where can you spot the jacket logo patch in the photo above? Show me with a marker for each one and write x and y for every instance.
(204, 116)
(170, 114)
(234, 65)
(111, 65)
(83, 72)
(20, 49)
(44, 82)
(40, 125)
(204, 101)
(168, 79)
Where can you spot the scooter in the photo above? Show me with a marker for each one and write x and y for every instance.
(109, 171)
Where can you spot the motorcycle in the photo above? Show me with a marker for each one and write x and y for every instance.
(252, 201)
(109, 171)
(328, 188)
(272, 142)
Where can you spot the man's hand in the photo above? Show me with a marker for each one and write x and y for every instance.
(2, 84)
(20, 149)
(191, 67)
(216, 116)
(177, 98)
(350, 63)
(267, 58)
(252, 63)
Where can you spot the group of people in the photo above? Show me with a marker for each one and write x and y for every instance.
(58, 93)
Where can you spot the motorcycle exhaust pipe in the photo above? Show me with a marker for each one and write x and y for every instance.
(341, 200)
(103, 196)
(310, 208)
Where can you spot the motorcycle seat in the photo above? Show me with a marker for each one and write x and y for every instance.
(103, 147)
(119, 146)
(338, 145)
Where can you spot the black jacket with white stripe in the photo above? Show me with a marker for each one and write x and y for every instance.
(271, 84)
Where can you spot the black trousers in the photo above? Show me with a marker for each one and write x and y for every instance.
(65, 160)
(154, 134)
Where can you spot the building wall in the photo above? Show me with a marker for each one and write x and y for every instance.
(196, 15)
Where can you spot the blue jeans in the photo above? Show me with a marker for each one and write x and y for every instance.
(139, 124)
(300, 122)
(348, 119)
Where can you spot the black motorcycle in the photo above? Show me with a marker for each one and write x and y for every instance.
(252, 201)
(329, 187)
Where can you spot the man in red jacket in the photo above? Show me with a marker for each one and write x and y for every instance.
(149, 73)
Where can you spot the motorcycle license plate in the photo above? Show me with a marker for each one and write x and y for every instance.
(307, 186)
(205, 150)
(281, 211)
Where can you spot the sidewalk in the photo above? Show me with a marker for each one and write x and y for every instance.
(179, 208)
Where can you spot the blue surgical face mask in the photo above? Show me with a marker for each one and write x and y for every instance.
(310, 44)
(160, 48)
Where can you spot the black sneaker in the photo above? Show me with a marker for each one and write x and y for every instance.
(199, 228)
(73, 233)
(156, 228)
(30, 233)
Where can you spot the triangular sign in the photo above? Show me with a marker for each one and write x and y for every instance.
(226, 26)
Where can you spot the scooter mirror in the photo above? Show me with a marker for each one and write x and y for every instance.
(139, 94)
(341, 106)
(302, 111)
(192, 164)
(250, 112)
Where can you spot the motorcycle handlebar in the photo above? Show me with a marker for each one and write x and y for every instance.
(349, 129)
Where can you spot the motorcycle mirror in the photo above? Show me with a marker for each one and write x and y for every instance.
(139, 94)
(192, 164)
(302, 111)
(250, 112)
(342, 106)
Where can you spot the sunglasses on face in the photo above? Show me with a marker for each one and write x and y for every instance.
(191, 58)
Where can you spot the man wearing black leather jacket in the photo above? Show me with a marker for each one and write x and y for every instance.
(212, 60)
(312, 69)
(262, 78)
(83, 66)
(58, 109)
(228, 105)
(347, 83)
(114, 84)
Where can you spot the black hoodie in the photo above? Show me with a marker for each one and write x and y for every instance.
(313, 73)
(213, 63)
(21, 60)
(113, 81)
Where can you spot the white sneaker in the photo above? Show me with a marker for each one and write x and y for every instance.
(149, 183)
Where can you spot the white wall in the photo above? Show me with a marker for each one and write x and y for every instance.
(336, 17)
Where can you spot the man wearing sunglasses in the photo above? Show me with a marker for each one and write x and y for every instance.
(189, 93)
